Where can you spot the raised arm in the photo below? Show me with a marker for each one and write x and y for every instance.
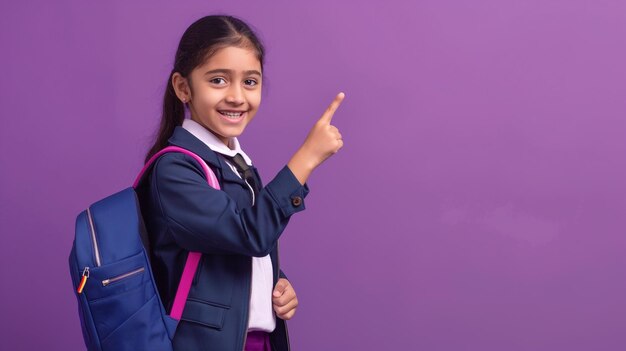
(207, 220)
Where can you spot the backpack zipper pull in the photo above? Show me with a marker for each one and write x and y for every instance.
(83, 280)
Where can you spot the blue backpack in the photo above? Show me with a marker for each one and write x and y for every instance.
(118, 301)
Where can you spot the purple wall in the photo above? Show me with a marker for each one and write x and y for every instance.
(478, 203)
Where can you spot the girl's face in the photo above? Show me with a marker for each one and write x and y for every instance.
(226, 92)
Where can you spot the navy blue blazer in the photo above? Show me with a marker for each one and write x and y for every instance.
(183, 213)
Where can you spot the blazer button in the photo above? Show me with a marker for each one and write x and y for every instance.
(296, 201)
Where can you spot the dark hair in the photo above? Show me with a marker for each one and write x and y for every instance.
(200, 41)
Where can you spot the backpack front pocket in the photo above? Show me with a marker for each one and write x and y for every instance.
(116, 278)
(119, 295)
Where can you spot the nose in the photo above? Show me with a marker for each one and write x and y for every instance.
(235, 94)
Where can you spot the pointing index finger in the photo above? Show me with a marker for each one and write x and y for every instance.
(330, 111)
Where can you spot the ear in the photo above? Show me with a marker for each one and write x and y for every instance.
(181, 87)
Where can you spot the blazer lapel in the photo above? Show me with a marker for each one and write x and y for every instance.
(227, 173)
(183, 138)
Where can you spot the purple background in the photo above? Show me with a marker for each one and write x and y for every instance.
(478, 203)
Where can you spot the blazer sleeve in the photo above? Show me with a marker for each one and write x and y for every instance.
(201, 218)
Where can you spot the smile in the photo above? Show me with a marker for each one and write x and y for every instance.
(233, 115)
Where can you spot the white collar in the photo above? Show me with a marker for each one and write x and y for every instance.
(213, 142)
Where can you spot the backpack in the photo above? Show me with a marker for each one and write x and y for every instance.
(118, 301)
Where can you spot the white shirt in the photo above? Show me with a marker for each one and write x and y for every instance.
(261, 316)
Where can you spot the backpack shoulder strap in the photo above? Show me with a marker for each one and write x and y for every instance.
(193, 259)
(210, 176)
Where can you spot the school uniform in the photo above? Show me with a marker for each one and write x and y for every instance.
(231, 291)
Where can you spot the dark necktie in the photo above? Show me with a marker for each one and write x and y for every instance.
(244, 171)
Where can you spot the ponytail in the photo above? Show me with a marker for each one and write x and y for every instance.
(172, 116)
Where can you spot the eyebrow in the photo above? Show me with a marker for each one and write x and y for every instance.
(230, 71)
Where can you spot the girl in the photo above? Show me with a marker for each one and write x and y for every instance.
(239, 289)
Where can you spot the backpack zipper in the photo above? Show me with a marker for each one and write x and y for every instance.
(83, 281)
(93, 238)
(122, 276)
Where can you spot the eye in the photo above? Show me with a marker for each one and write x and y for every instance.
(218, 81)
(250, 82)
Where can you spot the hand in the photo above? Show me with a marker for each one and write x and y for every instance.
(284, 299)
(323, 141)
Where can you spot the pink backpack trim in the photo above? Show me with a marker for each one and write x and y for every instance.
(194, 257)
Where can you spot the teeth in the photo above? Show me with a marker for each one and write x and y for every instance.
(231, 114)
